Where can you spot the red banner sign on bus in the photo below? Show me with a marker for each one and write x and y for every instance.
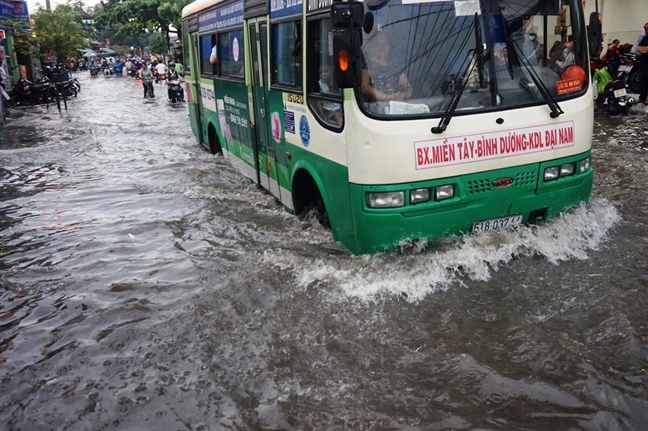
(494, 145)
(569, 85)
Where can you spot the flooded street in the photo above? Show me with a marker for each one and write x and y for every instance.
(146, 285)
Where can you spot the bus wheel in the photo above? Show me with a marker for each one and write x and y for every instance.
(214, 144)
(309, 205)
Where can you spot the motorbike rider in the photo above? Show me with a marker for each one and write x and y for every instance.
(146, 77)
(161, 70)
(92, 67)
(118, 67)
(171, 75)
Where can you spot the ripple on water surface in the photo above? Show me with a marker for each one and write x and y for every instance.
(147, 285)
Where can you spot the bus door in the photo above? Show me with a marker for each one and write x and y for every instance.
(195, 71)
(260, 92)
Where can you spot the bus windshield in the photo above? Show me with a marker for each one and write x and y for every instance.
(420, 56)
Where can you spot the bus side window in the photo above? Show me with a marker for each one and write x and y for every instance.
(209, 55)
(324, 96)
(286, 54)
(186, 59)
(232, 60)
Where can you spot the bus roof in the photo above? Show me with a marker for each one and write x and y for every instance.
(197, 6)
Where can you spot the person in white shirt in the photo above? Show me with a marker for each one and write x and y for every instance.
(161, 68)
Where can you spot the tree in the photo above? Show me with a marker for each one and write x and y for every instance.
(138, 17)
(135, 16)
(171, 10)
(57, 32)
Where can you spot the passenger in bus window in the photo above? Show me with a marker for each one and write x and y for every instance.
(380, 79)
(213, 58)
(566, 58)
(330, 111)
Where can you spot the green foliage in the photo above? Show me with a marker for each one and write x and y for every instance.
(58, 32)
(171, 10)
(160, 46)
(140, 17)
(135, 16)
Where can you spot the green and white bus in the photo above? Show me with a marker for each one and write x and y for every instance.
(398, 119)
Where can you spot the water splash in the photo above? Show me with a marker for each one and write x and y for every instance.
(422, 270)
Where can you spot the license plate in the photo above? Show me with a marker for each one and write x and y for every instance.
(625, 68)
(497, 223)
(620, 92)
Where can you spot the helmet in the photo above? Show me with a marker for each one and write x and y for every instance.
(171, 64)
(569, 44)
(646, 25)
(574, 72)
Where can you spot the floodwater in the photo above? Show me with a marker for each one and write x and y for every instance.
(146, 285)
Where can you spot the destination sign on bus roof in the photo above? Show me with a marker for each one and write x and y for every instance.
(314, 5)
(227, 16)
(284, 8)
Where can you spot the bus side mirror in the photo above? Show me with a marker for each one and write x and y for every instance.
(347, 15)
(594, 35)
(347, 52)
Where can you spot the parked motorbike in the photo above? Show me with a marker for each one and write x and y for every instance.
(629, 71)
(615, 98)
(77, 85)
(175, 91)
(25, 93)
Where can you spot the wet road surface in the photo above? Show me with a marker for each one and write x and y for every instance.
(146, 285)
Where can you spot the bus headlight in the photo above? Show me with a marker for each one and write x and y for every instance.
(552, 173)
(419, 195)
(442, 193)
(584, 165)
(567, 169)
(386, 199)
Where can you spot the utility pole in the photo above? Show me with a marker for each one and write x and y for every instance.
(47, 5)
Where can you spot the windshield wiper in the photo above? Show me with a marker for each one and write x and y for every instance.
(544, 91)
(475, 60)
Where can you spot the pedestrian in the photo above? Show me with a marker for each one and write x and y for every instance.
(642, 48)
(641, 36)
(4, 76)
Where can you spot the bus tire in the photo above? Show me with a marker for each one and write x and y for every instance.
(212, 141)
(307, 199)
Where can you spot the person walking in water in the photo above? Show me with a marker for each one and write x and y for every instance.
(145, 75)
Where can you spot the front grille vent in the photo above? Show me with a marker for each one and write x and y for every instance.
(479, 186)
(525, 178)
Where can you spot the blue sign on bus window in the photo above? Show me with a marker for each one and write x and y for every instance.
(284, 8)
(227, 16)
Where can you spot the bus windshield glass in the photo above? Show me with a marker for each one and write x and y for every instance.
(420, 56)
